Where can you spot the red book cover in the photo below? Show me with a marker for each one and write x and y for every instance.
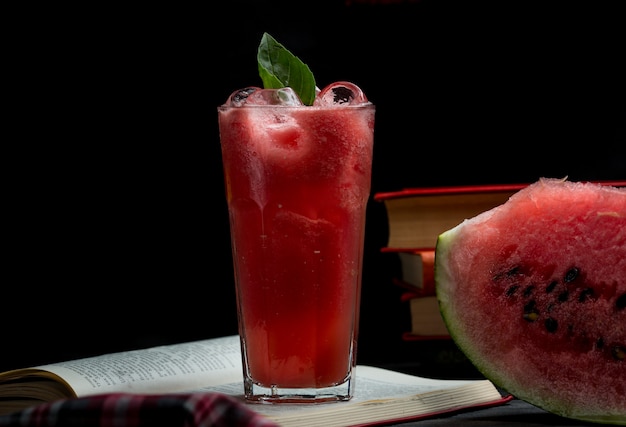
(465, 189)
(435, 191)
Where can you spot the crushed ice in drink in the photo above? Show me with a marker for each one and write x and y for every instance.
(340, 93)
(336, 94)
(238, 97)
(256, 96)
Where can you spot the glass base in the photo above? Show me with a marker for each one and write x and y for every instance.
(255, 393)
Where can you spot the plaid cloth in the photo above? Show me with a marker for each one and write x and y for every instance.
(140, 410)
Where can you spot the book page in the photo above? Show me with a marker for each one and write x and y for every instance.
(379, 395)
(417, 221)
(163, 369)
(412, 268)
(426, 317)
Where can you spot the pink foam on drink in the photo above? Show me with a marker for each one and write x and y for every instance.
(284, 139)
(279, 143)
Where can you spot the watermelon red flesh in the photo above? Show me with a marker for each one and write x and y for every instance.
(534, 293)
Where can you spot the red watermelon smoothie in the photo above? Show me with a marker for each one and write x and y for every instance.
(297, 184)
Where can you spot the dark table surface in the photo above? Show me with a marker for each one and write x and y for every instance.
(513, 413)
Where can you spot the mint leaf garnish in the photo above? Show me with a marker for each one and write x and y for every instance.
(278, 68)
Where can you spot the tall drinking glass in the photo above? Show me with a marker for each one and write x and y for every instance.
(297, 184)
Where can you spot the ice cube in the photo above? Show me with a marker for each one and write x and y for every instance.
(340, 93)
(239, 97)
(256, 96)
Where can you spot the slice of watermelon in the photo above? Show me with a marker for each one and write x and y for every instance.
(534, 293)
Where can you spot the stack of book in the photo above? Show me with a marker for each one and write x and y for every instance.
(417, 279)
(416, 217)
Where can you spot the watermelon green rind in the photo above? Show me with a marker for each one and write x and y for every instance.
(492, 268)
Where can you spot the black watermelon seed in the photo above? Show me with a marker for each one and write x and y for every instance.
(600, 343)
(530, 312)
(585, 295)
(571, 275)
(621, 302)
(530, 306)
(563, 296)
(514, 271)
(528, 291)
(508, 275)
(551, 324)
(551, 286)
(618, 352)
(511, 291)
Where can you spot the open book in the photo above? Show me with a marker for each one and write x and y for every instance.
(214, 365)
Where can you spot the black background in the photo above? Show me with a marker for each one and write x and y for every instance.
(116, 230)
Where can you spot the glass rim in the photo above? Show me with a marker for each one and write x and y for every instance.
(365, 105)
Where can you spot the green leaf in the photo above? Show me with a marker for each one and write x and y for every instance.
(278, 68)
